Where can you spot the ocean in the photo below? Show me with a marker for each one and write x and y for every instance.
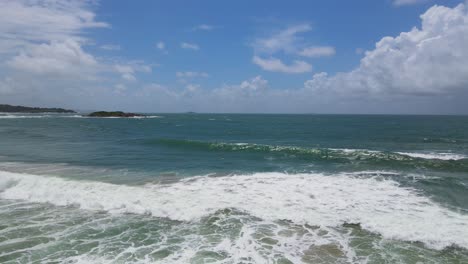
(233, 188)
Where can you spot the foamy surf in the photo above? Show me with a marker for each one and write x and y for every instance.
(23, 116)
(434, 155)
(73, 116)
(379, 206)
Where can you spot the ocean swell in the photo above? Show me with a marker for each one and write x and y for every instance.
(431, 160)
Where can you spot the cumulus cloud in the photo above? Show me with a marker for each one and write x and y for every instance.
(191, 46)
(429, 60)
(276, 65)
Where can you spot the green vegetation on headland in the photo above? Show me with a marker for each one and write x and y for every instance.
(24, 109)
(113, 114)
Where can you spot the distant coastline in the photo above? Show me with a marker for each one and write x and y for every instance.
(5, 108)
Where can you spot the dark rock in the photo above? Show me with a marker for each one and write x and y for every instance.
(114, 114)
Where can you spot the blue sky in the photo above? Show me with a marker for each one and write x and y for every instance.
(225, 52)
(236, 56)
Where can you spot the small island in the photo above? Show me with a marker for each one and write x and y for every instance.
(5, 108)
(114, 114)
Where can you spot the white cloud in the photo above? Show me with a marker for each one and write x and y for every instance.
(285, 40)
(289, 42)
(235, 94)
(317, 51)
(63, 58)
(24, 22)
(191, 46)
(255, 84)
(191, 74)
(204, 27)
(128, 71)
(111, 47)
(44, 60)
(241, 97)
(161, 45)
(276, 65)
(429, 60)
(45, 37)
(407, 2)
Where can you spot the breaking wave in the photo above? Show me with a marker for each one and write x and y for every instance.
(378, 205)
(433, 160)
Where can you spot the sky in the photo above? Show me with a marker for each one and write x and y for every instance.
(363, 56)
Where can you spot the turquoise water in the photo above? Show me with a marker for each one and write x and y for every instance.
(227, 188)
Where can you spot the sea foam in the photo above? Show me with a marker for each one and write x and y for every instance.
(379, 206)
(434, 155)
(73, 116)
(22, 116)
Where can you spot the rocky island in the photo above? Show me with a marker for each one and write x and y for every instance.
(114, 114)
(4, 108)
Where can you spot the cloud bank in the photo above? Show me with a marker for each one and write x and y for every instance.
(430, 60)
(44, 57)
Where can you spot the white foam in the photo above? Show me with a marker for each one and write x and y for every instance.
(22, 116)
(430, 155)
(70, 116)
(144, 117)
(246, 248)
(380, 206)
(345, 150)
(434, 155)
(121, 117)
